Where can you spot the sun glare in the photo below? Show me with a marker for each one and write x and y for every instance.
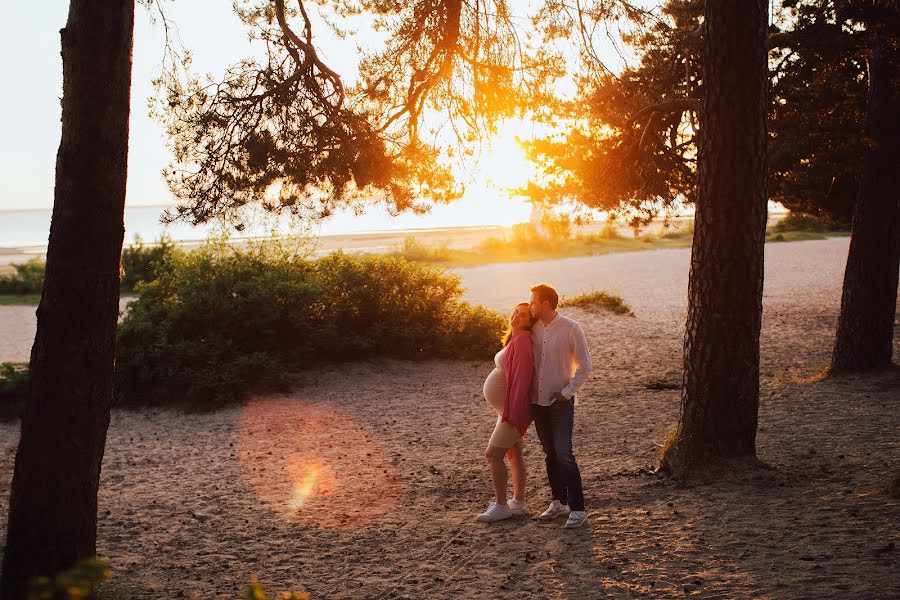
(502, 168)
(315, 465)
(506, 166)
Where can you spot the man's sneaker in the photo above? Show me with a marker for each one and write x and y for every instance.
(495, 512)
(517, 507)
(555, 509)
(576, 519)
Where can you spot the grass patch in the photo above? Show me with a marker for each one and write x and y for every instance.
(686, 231)
(800, 222)
(523, 244)
(669, 439)
(27, 278)
(20, 299)
(413, 250)
(596, 301)
(796, 227)
(13, 380)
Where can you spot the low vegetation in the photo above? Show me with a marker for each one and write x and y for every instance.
(597, 301)
(19, 299)
(13, 379)
(27, 279)
(524, 243)
(141, 262)
(796, 227)
(218, 323)
(90, 579)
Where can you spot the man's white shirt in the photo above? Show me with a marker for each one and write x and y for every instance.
(561, 359)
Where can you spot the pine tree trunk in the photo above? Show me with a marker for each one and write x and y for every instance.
(865, 331)
(53, 504)
(720, 391)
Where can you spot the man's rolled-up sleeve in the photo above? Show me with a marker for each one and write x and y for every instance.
(579, 348)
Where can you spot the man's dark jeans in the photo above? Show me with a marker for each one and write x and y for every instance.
(554, 426)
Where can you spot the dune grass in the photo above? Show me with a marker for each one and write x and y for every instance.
(19, 299)
(597, 301)
(13, 379)
(802, 236)
(523, 244)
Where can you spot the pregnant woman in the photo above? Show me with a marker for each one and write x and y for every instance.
(508, 390)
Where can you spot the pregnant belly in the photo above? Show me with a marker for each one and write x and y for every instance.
(495, 389)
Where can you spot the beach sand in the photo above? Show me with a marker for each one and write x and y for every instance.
(365, 480)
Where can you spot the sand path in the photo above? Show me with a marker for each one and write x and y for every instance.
(363, 483)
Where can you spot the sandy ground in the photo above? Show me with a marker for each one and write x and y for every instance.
(364, 482)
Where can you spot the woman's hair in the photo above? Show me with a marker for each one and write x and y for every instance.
(509, 330)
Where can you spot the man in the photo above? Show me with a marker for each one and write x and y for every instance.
(561, 366)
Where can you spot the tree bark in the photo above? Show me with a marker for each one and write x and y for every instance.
(720, 389)
(53, 503)
(865, 331)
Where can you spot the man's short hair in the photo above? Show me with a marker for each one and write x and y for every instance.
(546, 292)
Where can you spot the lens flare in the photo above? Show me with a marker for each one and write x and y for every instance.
(314, 464)
(309, 478)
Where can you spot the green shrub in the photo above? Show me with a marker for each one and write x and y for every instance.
(598, 300)
(141, 263)
(13, 380)
(685, 231)
(414, 250)
(611, 231)
(28, 278)
(219, 323)
(800, 222)
(81, 581)
(524, 239)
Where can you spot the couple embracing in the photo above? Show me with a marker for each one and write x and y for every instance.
(543, 363)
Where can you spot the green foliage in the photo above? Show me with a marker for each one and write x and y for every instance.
(81, 581)
(13, 381)
(414, 250)
(219, 323)
(598, 300)
(256, 592)
(524, 238)
(28, 278)
(801, 222)
(685, 231)
(142, 262)
(84, 581)
(19, 299)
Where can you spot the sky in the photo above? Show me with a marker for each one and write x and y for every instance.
(216, 38)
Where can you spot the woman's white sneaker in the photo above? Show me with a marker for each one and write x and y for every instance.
(576, 519)
(495, 512)
(517, 507)
(555, 509)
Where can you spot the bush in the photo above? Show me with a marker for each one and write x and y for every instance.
(525, 239)
(598, 301)
(81, 581)
(13, 380)
(28, 278)
(219, 323)
(685, 231)
(800, 222)
(414, 250)
(142, 263)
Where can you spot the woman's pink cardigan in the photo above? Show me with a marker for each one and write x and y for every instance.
(519, 368)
